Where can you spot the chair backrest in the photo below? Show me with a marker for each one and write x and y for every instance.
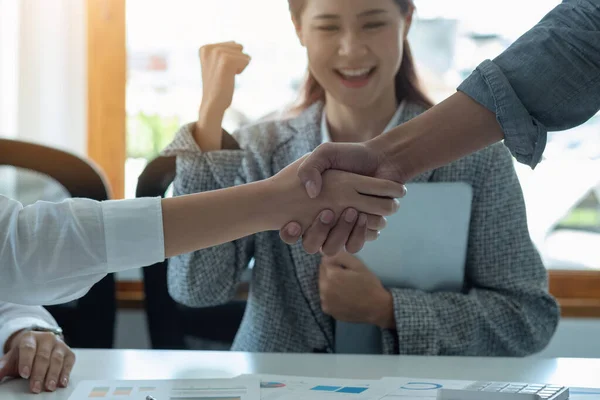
(170, 323)
(88, 322)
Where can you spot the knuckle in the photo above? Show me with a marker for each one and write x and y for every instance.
(26, 346)
(58, 356)
(204, 51)
(43, 356)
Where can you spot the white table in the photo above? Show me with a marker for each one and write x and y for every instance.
(136, 364)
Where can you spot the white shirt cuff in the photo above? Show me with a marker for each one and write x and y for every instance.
(134, 233)
(16, 324)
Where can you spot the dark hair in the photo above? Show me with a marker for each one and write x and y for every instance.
(407, 85)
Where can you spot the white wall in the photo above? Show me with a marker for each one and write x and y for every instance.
(43, 72)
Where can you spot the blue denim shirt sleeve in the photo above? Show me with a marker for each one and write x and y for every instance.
(548, 80)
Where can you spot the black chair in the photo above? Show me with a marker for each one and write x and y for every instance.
(170, 323)
(88, 322)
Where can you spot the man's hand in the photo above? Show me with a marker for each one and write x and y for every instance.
(359, 158)
(350, 292)
(358, 204)
(41, 357)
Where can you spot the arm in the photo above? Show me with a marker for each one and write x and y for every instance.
(208, 158)
(506, 309)
(54, 252)
(549, 79)
(209, 276)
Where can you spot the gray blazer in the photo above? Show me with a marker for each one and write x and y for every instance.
(505, 309)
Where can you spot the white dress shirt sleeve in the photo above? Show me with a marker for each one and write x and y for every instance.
(14, 317)
(52, 253)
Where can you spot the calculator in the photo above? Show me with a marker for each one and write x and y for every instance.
(505, 391)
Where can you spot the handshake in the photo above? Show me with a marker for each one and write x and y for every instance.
(349, 187)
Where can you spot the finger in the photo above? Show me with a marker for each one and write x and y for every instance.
(237, 62)
(216, 46)
(291, 233)
(316, 234)
(311, 169)
(68, 364)
(9, 364)
(357, 238)
(375, 205)
(336, 241)
(372, 235)
(41, 363)
(27, 349)
(379, 187)
(376, 222)
(56, 365)
(233, 53)
(231, 44)
(351, 157)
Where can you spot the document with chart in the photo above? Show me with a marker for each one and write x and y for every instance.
(280, 387)
(178, 389)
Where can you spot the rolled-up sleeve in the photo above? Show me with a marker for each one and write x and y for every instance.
(548, 80)
(52, 253)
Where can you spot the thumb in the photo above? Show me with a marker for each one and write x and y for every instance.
(350, 157)
(309, 172)
(8, 365)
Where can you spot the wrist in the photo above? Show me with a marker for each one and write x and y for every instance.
(282, 203)
(395, 150)
(383, 312)
(208, 128)
(210, 112)
(266, 209)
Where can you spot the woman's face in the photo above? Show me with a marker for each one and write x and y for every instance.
(354, 47)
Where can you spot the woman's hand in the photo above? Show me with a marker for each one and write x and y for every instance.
(41, 357)
(350, 292)
(220, 62)
(375, 198)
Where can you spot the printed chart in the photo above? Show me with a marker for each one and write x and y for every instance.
(201, 389)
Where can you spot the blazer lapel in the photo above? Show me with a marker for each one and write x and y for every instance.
(305, 137)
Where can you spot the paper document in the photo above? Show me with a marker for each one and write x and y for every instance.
(177, 389)
(280, 387)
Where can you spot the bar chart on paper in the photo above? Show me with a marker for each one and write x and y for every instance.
(200, 389)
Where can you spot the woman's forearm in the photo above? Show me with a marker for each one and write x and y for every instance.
(208, 129)
(207, 219)
(452, 129)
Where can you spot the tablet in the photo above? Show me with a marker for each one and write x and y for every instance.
(424, 246)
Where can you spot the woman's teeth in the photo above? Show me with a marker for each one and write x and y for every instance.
(354, 73)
